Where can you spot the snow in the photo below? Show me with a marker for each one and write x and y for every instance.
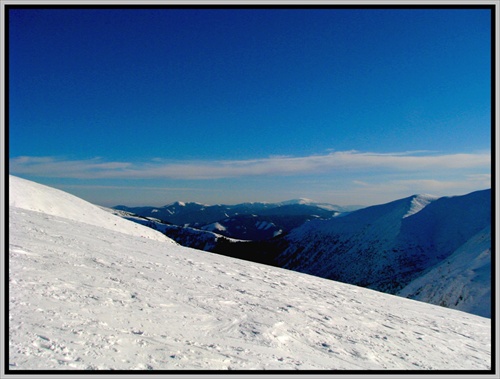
(301, 201)
(385, 248)
(87, 295)
(33, 196)
(419, 202)
(462, 281)
(277, 233)
(264, 225)
(305, 201)
(214, 227)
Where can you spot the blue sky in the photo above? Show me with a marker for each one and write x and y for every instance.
(146, 107)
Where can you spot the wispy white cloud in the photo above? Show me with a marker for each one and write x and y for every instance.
(63, 168)
(380, 191)
(479, 177)
(276, 165)
(360, 183)
(435, 186)
(124, 188)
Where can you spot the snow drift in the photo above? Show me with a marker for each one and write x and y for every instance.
(86, 295)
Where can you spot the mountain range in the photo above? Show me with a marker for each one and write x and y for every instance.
(390, 247)
(88, 290)
(399, 247)
(247, 221)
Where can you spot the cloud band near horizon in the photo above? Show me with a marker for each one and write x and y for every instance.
(98, 168)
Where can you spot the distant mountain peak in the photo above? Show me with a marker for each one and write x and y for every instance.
(300, 201)
(183, 204)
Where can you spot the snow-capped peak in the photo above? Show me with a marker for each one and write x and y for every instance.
(301, 201)
(214, 227)
(419, 202)
(306, 201)
(183, 204)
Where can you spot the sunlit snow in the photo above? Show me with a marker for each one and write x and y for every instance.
(88, 291)
(419, 202)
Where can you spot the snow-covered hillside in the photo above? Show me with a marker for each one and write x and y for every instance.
(25, 194)
(84, 295)
(186, 236)
(462, 281)
(387, 247)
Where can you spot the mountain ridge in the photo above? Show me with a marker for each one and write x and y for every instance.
(235, 221)
(384, 248)
(83, 296)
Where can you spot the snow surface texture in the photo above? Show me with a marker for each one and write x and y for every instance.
(85, 296)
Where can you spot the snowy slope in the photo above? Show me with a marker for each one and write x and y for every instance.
(386, 247)
(214, 227)
(418, 203)
(356, 248)
(186, 236)
(84, 296)
(25, 194)
(462, 281)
